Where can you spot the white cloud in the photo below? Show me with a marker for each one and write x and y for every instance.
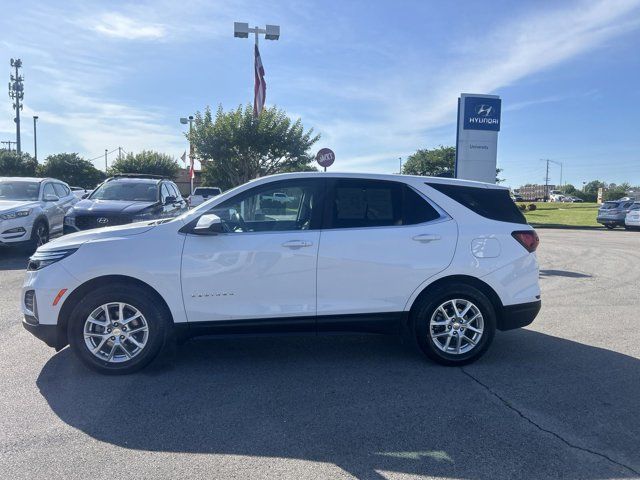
(120, 26)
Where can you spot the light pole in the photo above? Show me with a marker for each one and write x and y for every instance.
(35, 139)
(106, 150)
(184, 121)
(270, 32)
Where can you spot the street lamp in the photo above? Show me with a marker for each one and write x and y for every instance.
(35, 139)
(242, 30)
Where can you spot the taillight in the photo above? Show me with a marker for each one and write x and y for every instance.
(527, 238)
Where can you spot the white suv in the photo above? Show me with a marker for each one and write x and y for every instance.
(446, 262)
(32, 209)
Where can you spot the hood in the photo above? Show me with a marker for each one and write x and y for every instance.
(74, 240)
(103, 207)
(9, 205)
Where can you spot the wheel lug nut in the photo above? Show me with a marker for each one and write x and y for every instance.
(121, 337)
(113, 338)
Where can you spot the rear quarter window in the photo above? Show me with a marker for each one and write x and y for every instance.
(492, 203)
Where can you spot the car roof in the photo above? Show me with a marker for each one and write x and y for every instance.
(136, 180)
(383, 176)
(28, 179)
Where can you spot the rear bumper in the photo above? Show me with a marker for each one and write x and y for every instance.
(49, 334)
(610, 221)
(517, 316)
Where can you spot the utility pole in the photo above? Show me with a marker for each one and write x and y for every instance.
(546, 182)
(184, 121)
(558, 163)
(105, 159)
(16, 93)
(8, 142)
(119, 153)
(35, 139)
(400, 160)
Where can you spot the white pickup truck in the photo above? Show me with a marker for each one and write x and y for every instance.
(202, 194)
(277, 197)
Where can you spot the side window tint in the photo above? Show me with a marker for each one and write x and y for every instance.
(48, 190)
(278, 207)
(176, 191)
(416, 208)
(366, 203)
(164, 193)
(60, 190)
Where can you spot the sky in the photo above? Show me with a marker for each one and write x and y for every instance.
(377, 79)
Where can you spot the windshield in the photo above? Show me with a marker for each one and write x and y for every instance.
(19, 190)
(635, 206)
(126, 191)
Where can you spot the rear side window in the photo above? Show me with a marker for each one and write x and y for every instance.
(492, 203)
(377, 203)
(207, 191)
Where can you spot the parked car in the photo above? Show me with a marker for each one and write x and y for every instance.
(444, 261)
(124, 199)
(570, 199)
(32, 209)
(81, 192)
(280, 197)
(632, 219)
(202, 194)
(556, 197)
(518, 198)
(613, 213)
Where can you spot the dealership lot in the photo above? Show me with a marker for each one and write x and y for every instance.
(558, 399)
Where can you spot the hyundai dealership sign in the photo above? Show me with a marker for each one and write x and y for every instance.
(477, 139)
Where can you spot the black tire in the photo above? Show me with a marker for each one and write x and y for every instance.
(39, 234)
(157, 318)
(426, 307)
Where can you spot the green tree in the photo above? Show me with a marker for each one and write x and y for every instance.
(147, 161)
(568, 189)
(236, 147)
(71, 168)
(437, 162)
(593, 186)
(14, 165)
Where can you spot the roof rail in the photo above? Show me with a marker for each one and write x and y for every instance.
(138, 175)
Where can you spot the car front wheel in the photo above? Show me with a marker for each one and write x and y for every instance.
(455, 324)
(119, 329)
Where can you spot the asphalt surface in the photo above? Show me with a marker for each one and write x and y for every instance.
(559, 399)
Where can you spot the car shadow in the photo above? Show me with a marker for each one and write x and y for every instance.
(370, 404)
(563, 273)
(13, 258)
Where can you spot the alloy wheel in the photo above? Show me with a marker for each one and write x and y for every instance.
(116, 332)
(456, 326)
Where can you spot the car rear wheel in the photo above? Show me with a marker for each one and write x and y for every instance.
(118, 330)
(455, 324)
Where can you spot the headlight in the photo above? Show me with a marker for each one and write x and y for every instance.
(42, 259)
(15, 214)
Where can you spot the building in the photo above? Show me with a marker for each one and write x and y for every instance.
(535, 193)
(184, 182)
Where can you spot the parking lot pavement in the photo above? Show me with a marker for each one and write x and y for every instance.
(556, 400)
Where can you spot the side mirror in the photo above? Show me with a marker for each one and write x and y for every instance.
(209, 224)
(50, 197)
(169, 200)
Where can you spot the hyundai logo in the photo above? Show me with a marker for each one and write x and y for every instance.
(103, 220)
(484, 110)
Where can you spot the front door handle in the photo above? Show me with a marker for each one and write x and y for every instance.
(295, 244)
(427, 237)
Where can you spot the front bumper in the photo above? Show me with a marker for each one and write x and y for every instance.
(611, 221)
(49, 334)
(15, 231)
(519, 315)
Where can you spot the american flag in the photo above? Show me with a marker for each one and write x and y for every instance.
(260, 87)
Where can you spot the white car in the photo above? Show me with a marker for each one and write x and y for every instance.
(32, 209)
(280, 197)
(80, 192)
(202, 194)
(445, 262)
(632, 219)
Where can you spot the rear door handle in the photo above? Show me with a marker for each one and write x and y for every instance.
(427, 237)
(295, 244)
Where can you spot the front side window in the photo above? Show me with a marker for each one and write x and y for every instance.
(377, 203)
(48, 190)
(278, 206)
(61, 190)
(164, 193)
(126, 191)
(11, 190)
